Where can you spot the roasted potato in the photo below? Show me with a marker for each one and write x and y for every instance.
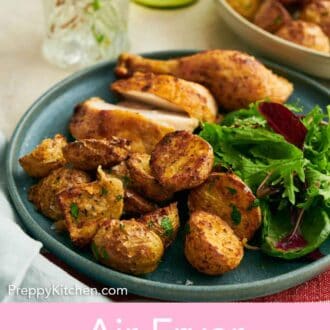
(121, 172)
(164, 222)
(227, 196)
(318, 12)
(305, 34)
(181, 161)
(141, 178)
(128, 246)
(135, 204)
(247, 8)
(86, 206)
(47, 156)
(211, 246)
(44, 194)
(88, 154)
(271, 16)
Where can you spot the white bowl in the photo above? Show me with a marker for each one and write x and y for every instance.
(289, 53)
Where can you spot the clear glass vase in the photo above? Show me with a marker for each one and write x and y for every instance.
(82, 32)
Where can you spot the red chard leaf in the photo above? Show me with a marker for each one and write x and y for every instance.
(284, 122)
(291, 242)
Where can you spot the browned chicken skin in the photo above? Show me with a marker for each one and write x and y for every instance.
(235, 79)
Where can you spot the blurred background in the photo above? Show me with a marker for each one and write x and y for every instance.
(25, 74)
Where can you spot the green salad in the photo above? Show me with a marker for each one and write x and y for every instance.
(284, 159)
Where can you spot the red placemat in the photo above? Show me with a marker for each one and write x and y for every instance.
(317, 289)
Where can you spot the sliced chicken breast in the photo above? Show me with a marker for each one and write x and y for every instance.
(94, 118)
(168, 93)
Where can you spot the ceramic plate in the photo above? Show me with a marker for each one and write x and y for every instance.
(258, 275)
(302, 58)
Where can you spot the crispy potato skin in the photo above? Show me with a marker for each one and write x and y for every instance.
(164, 222)
(211, 246)
(271, 16)
(305, 34)
(44, 194)
(47, 156)
(318, 12)
(88, 154)
(128, 246)
(227, 196)
(247, 8)
(93, 202)
(89, 123)
(141, 178)
(181, 161)
(178, 92)
(135, 204)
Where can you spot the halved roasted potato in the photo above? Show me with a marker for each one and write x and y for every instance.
(181, 160)
(306, 34)
(164, 222)
(141, 178)
(247, 8)
(227, 196)
(211, 246)
(271, 16)
(135, 204)
(44, 194)
(128, 246)
(86, 206)
(47, 156)
(88, 154)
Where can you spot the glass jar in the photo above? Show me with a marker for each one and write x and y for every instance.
(82, 32)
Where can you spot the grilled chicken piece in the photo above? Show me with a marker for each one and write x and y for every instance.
(169, 93)
(235, 79)
(97, 119)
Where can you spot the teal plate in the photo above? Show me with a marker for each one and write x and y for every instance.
(258, 275)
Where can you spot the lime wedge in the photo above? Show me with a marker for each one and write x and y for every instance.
(164, 3)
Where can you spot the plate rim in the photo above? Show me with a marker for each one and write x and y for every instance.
(138, 285)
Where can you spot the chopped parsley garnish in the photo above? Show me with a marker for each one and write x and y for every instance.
(278, 20)
(104, 253)
(236, 215)
(167, 226)
(122, 226)
(119, 198)
(126, 180)
(95, 250)
(150, 224)
(104, 191)
(233, 191)
(254, 204)
(74, 209)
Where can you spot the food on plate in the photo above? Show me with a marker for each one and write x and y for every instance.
(262, 167)
(292, 183)
(211, 246)
(86, 206)
(227, 196)
(135, 204)
(168, 93)
(96, 119)
(142, 179)
(47, 156)
(306, 23)
(88, 154)
(44, 194)
(164, 222)
(234, 78)
(271, 16)
(305, 34)
(318, 12)
(128, 246)
(181, 160)
(247, 8)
